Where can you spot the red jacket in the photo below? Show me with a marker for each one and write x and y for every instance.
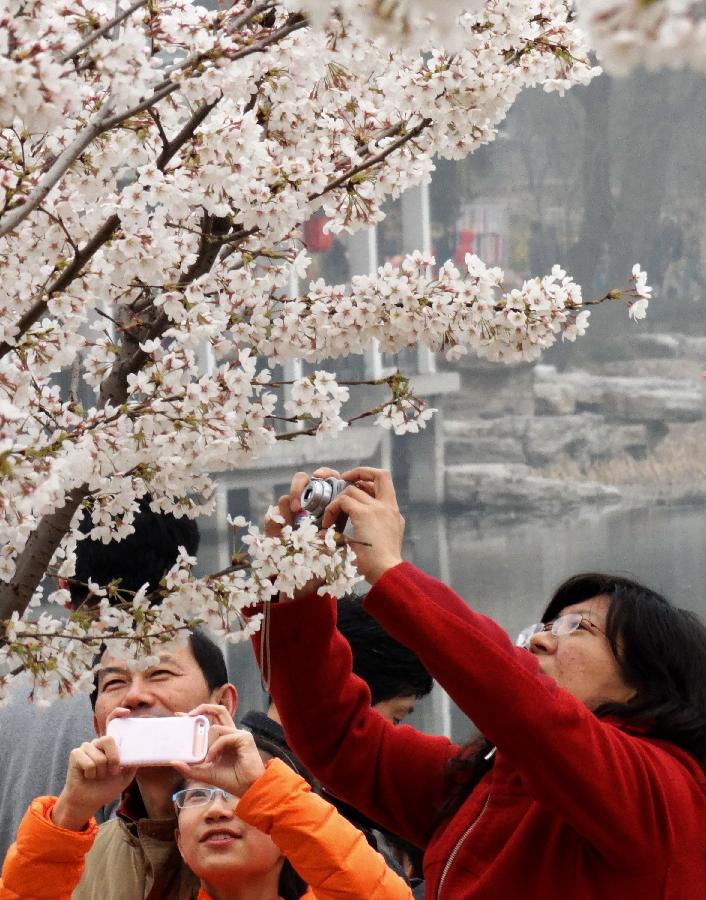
(574, 808)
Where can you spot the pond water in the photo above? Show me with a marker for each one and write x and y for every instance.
(509, 571)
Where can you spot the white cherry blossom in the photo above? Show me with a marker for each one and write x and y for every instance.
(156, 167)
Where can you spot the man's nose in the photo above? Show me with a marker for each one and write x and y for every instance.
(137, 695)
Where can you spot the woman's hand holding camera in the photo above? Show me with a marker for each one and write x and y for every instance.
(232, 762)
(370, 503)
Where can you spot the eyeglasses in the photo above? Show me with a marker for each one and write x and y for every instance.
(565, 624)
(199, 796)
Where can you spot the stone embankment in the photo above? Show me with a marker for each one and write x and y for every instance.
(542, 453)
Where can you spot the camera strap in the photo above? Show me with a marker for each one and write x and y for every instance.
(265, 649)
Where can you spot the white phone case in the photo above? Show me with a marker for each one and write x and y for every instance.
(146, 741)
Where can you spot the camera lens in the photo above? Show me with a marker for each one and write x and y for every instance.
(315, 497)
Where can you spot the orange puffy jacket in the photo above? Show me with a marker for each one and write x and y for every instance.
(333, 857)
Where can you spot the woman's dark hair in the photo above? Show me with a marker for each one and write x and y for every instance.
(661, 650)
(146, 555)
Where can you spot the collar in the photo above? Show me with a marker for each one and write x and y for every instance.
(132, 807)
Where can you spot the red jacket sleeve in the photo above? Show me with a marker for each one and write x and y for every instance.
(328, 720)
(329, 853)
(590, 772)
(45, 861)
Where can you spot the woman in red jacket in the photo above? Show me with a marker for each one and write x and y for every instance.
(589, 780)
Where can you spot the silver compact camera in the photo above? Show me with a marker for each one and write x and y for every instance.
(317, 495)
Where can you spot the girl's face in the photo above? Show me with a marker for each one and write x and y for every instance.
(214, 842)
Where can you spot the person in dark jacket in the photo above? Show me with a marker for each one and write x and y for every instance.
(588, 781)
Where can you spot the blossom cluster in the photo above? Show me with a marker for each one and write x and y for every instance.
(657, 34)
(157, 162)
(61, 653)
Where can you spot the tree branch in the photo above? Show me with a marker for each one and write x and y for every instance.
(37, 553)
(104, 233)
(373, 160)
(167, 87)
(99, 32)
(12, 219)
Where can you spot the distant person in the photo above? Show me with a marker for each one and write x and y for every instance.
(334, 265)
(248, 830)
(35, 743)
(589, 779)
(543, 249)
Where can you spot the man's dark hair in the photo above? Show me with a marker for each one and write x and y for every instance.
(144, 556)
(388, 668)
(207, 654)
(209, 658)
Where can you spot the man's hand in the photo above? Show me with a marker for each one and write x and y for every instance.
(94, 778)
(233, 761)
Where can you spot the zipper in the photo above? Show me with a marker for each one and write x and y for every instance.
(457, 847)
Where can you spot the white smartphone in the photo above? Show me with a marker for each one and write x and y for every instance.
(144, 741)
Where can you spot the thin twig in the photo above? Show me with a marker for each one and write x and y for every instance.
(90, 132)
(99, 32)
(373, 160)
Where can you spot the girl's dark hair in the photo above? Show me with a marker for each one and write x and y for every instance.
(661, 650)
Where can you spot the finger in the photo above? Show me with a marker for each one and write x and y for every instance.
(87, 762)
(299, 482)
(233, 743)
(216, 713)
(345, 503)
(366, 486)
(325, 472)
(272, 527)
(110, 749)
(381, 479)
(120, 712)
(186, 771)
(217, 731)
(284, 504)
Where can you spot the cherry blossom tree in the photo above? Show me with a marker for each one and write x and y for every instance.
(625, 34)
(157, 161)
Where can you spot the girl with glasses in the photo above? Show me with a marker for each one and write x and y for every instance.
(248, 828)
(588, 780)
